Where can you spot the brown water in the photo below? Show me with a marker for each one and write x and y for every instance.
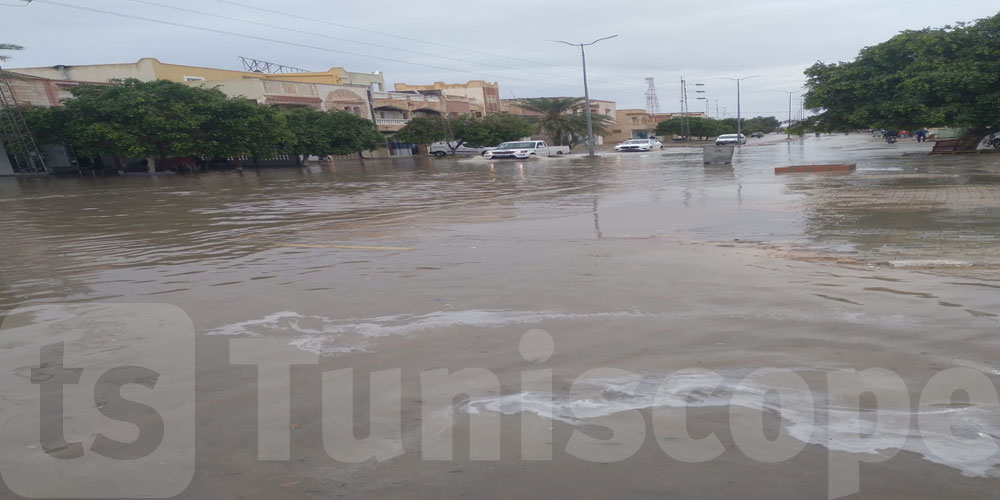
(645, 262)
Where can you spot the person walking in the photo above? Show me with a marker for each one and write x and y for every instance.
(921, 135)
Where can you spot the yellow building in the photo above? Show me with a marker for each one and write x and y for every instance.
(149, 69)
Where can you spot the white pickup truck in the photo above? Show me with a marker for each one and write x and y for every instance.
(525, 149)
(440, 149)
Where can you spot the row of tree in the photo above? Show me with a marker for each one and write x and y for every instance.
(488, 131)
(162, 119)
(710, 127)
(558, 119)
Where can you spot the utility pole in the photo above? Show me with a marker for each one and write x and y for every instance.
(586, 91)
(739, 118)
(685, 126)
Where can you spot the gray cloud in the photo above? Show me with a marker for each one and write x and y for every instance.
(702, 41)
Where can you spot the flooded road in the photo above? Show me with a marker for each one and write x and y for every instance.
(647, 263)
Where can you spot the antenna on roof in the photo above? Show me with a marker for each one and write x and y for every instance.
(268, 68)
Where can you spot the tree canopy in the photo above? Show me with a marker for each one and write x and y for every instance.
(320, 133)
(710, 127)
(487, 131)
(948, 76)
(162, 119)
(562, 119)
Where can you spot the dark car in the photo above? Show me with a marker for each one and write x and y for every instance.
(757, 135)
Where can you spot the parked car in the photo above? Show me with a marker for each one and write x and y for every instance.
(757, 135)
(729, 139)
(525, 149)
(639, 145)
(440, 149)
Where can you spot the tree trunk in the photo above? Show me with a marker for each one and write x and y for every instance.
(150, 164)
(971, 140)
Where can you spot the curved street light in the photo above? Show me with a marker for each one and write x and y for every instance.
(586, 90)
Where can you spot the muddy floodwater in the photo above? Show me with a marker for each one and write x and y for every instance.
(636, 266)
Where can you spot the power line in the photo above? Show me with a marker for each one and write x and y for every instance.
(293, 30)
(294, 16)
(265, 39)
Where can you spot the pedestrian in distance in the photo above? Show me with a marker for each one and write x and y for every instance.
(921, 135)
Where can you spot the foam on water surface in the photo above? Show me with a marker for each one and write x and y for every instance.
(330, 336)
(966, 438)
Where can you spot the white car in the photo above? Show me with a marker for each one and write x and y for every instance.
(729, 139)
(525, 149)
(639, 145)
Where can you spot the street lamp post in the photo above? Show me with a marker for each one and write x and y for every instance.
(739, 119)
(586, 91)
(787, 127)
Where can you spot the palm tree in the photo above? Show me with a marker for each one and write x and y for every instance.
(562, 120)
(8, 46)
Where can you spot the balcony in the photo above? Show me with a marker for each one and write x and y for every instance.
(399, 122)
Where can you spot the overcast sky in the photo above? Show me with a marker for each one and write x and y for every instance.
(506, 41)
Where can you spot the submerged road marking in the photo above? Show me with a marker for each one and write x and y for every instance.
(346, 247)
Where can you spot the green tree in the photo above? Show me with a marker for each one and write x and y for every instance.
(134, 119)
(764, 124)
(699, 127)
(424, 130)
(242, 127)
(561, 119)
(321, 133)
(490, 130)
(948, 76)
(498, 128)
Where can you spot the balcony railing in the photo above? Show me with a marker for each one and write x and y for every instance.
(391, 121)
(380, 95)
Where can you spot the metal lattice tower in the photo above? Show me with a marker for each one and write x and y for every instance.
(652, 101)
(269, 68)
(14, 131)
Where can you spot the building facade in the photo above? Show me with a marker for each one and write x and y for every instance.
(389, 110)
(34, 91)
(638, 124)
(149, 69)
(479, 93)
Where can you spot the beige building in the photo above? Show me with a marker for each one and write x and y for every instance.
(290, 94)
(149, 69)
(598, 107)
(479, 93)
(35, 91)
(638, 124)
(389, 110)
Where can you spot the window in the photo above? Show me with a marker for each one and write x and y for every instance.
(194, 78)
